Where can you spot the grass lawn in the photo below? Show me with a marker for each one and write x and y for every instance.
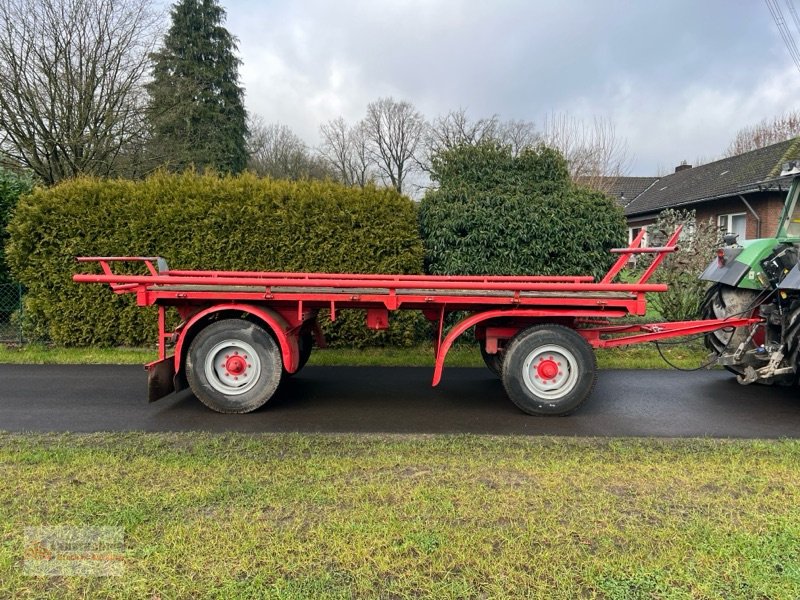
(643, 356)
(299, 516)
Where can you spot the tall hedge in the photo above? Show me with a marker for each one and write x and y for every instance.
(499, 213)
(198, 222)
(12, 186)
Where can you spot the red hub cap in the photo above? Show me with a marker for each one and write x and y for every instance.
(235, 365)
(547, 369)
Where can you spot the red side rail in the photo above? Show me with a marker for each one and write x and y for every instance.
(370, 277)
(357, 281)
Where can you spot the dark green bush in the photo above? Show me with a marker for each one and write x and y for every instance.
(201, 222)
(12, 186)
(496, 213)
(494, 168)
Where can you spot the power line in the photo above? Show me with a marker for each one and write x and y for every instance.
(783, 29)
(786, 34)
(793, 12)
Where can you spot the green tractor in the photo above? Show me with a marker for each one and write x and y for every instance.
(760, 278)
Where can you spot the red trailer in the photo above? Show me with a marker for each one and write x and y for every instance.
(242, 331)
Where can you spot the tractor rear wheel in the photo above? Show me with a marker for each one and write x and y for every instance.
(723, 301)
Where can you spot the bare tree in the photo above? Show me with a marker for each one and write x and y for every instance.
(518, 135)
(275, 151)
(765, 133)
(457, 129)
(71, 100)
(335, 148)
(395, 132)
(594, 153)
(345, 150)
(361, 164)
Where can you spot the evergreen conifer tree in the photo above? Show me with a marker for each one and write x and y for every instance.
(196, 107)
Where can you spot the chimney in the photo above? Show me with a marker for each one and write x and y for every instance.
(683, 166)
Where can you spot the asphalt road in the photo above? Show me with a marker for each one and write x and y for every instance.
(364, 399)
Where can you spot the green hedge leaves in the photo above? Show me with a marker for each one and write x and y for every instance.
(199, 222)
(12, 186)
(504, 214)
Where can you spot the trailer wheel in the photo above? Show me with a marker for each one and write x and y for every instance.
(306, 344)
(494, 362)
(233, 366)
(549, 370)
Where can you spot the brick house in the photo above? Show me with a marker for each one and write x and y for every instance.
(742, 194)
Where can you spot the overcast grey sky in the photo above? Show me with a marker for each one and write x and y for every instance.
(678, 78)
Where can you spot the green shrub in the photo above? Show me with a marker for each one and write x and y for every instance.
(492, 167)
(200, 222)
(12, 186)
(681, 270)
(497, 213)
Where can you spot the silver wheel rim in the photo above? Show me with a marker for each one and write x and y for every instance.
(232, 367)
(550, 372)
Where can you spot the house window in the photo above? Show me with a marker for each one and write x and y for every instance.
(634, 231)
(733, 223)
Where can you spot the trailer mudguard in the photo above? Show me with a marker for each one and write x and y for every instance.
(288, 344)
(529, 316)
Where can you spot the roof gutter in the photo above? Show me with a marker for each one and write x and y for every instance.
(755, 214)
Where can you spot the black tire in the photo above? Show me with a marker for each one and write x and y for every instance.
(564, 376)
(305, 344)
(494, 362)
(723, 301)
(223, 355)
